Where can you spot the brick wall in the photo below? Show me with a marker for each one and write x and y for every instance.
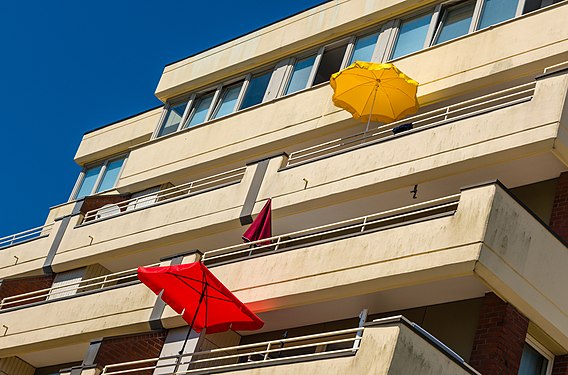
(559, 216)
(12, 287)
(96, 202)
(130, 348)
(560, 365)
(499, 338)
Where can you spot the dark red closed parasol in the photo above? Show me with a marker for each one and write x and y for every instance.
(204, 302)
(261, 227)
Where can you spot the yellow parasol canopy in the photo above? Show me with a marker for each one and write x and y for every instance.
(374, 92)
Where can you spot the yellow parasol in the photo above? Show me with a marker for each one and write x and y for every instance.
(374, 92)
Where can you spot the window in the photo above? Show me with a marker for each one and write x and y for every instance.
(228, 101)
(301, 74)
(256, 89)
(396, 38)
(455, 22)
(535, 360)
(317, 68)
(200, 110)
(172, 119)
(411, 35)
(97, 178)
(214, 103)
(330, 62)
(364, 48)
(495, 11)
(532, 5)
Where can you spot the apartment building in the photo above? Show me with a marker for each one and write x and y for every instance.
(440, 249)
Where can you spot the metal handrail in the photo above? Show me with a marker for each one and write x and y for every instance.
(263, 355)
(98, 283)
(439, 116)
(192, 187)
(26, 235)
(363, 222)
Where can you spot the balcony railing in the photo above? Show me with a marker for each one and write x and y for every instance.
(440, 116)
(296, 349)
(428, 209)
(26, 235)
(70, 289)
(191, 188)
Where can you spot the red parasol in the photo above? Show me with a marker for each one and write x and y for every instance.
(204, 302)
(261, 227)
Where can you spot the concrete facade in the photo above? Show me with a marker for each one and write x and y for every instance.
(456, 227)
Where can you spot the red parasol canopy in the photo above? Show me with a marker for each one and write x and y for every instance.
(261, 227)
(204, 302)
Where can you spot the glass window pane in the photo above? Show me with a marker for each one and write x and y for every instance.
(172, 120)
(495, 11)
(228, 101)
(301, 74)
(364, 48)
(111, 175)
(200, 109)
(88, 182)
(532, 362)
(411, 35)
(531, 5)
(455, 22)
(330, 63)
(256, 90)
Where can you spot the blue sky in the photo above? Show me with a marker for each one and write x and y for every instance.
(68, 67)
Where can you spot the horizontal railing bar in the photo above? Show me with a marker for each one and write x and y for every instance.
(26, 233)
(87, 283)
(189, 186)
(241, 347)
(371, 137)
(321, 227)
(341, 229)
(447, 113)
(275, 350)
(234, 365)
(284, 359)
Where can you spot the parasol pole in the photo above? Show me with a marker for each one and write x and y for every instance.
(371, 111)
(203, 291)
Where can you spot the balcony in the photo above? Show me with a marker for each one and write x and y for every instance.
(327, 147)
(426, 120)
(153, 221)
(65, 314)
(483, 236)
(25, 252)
(392, 345)
(460, 244)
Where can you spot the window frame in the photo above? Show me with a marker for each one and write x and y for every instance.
(103, 163)
(172, 103)
(281, 71)
(532, 342)
(436, 21)
(443, 15)
(246, 84)
(394, 30)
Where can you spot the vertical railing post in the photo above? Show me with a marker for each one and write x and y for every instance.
(267, 352)
(277, 243)
(359, 334)
(364, 223)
